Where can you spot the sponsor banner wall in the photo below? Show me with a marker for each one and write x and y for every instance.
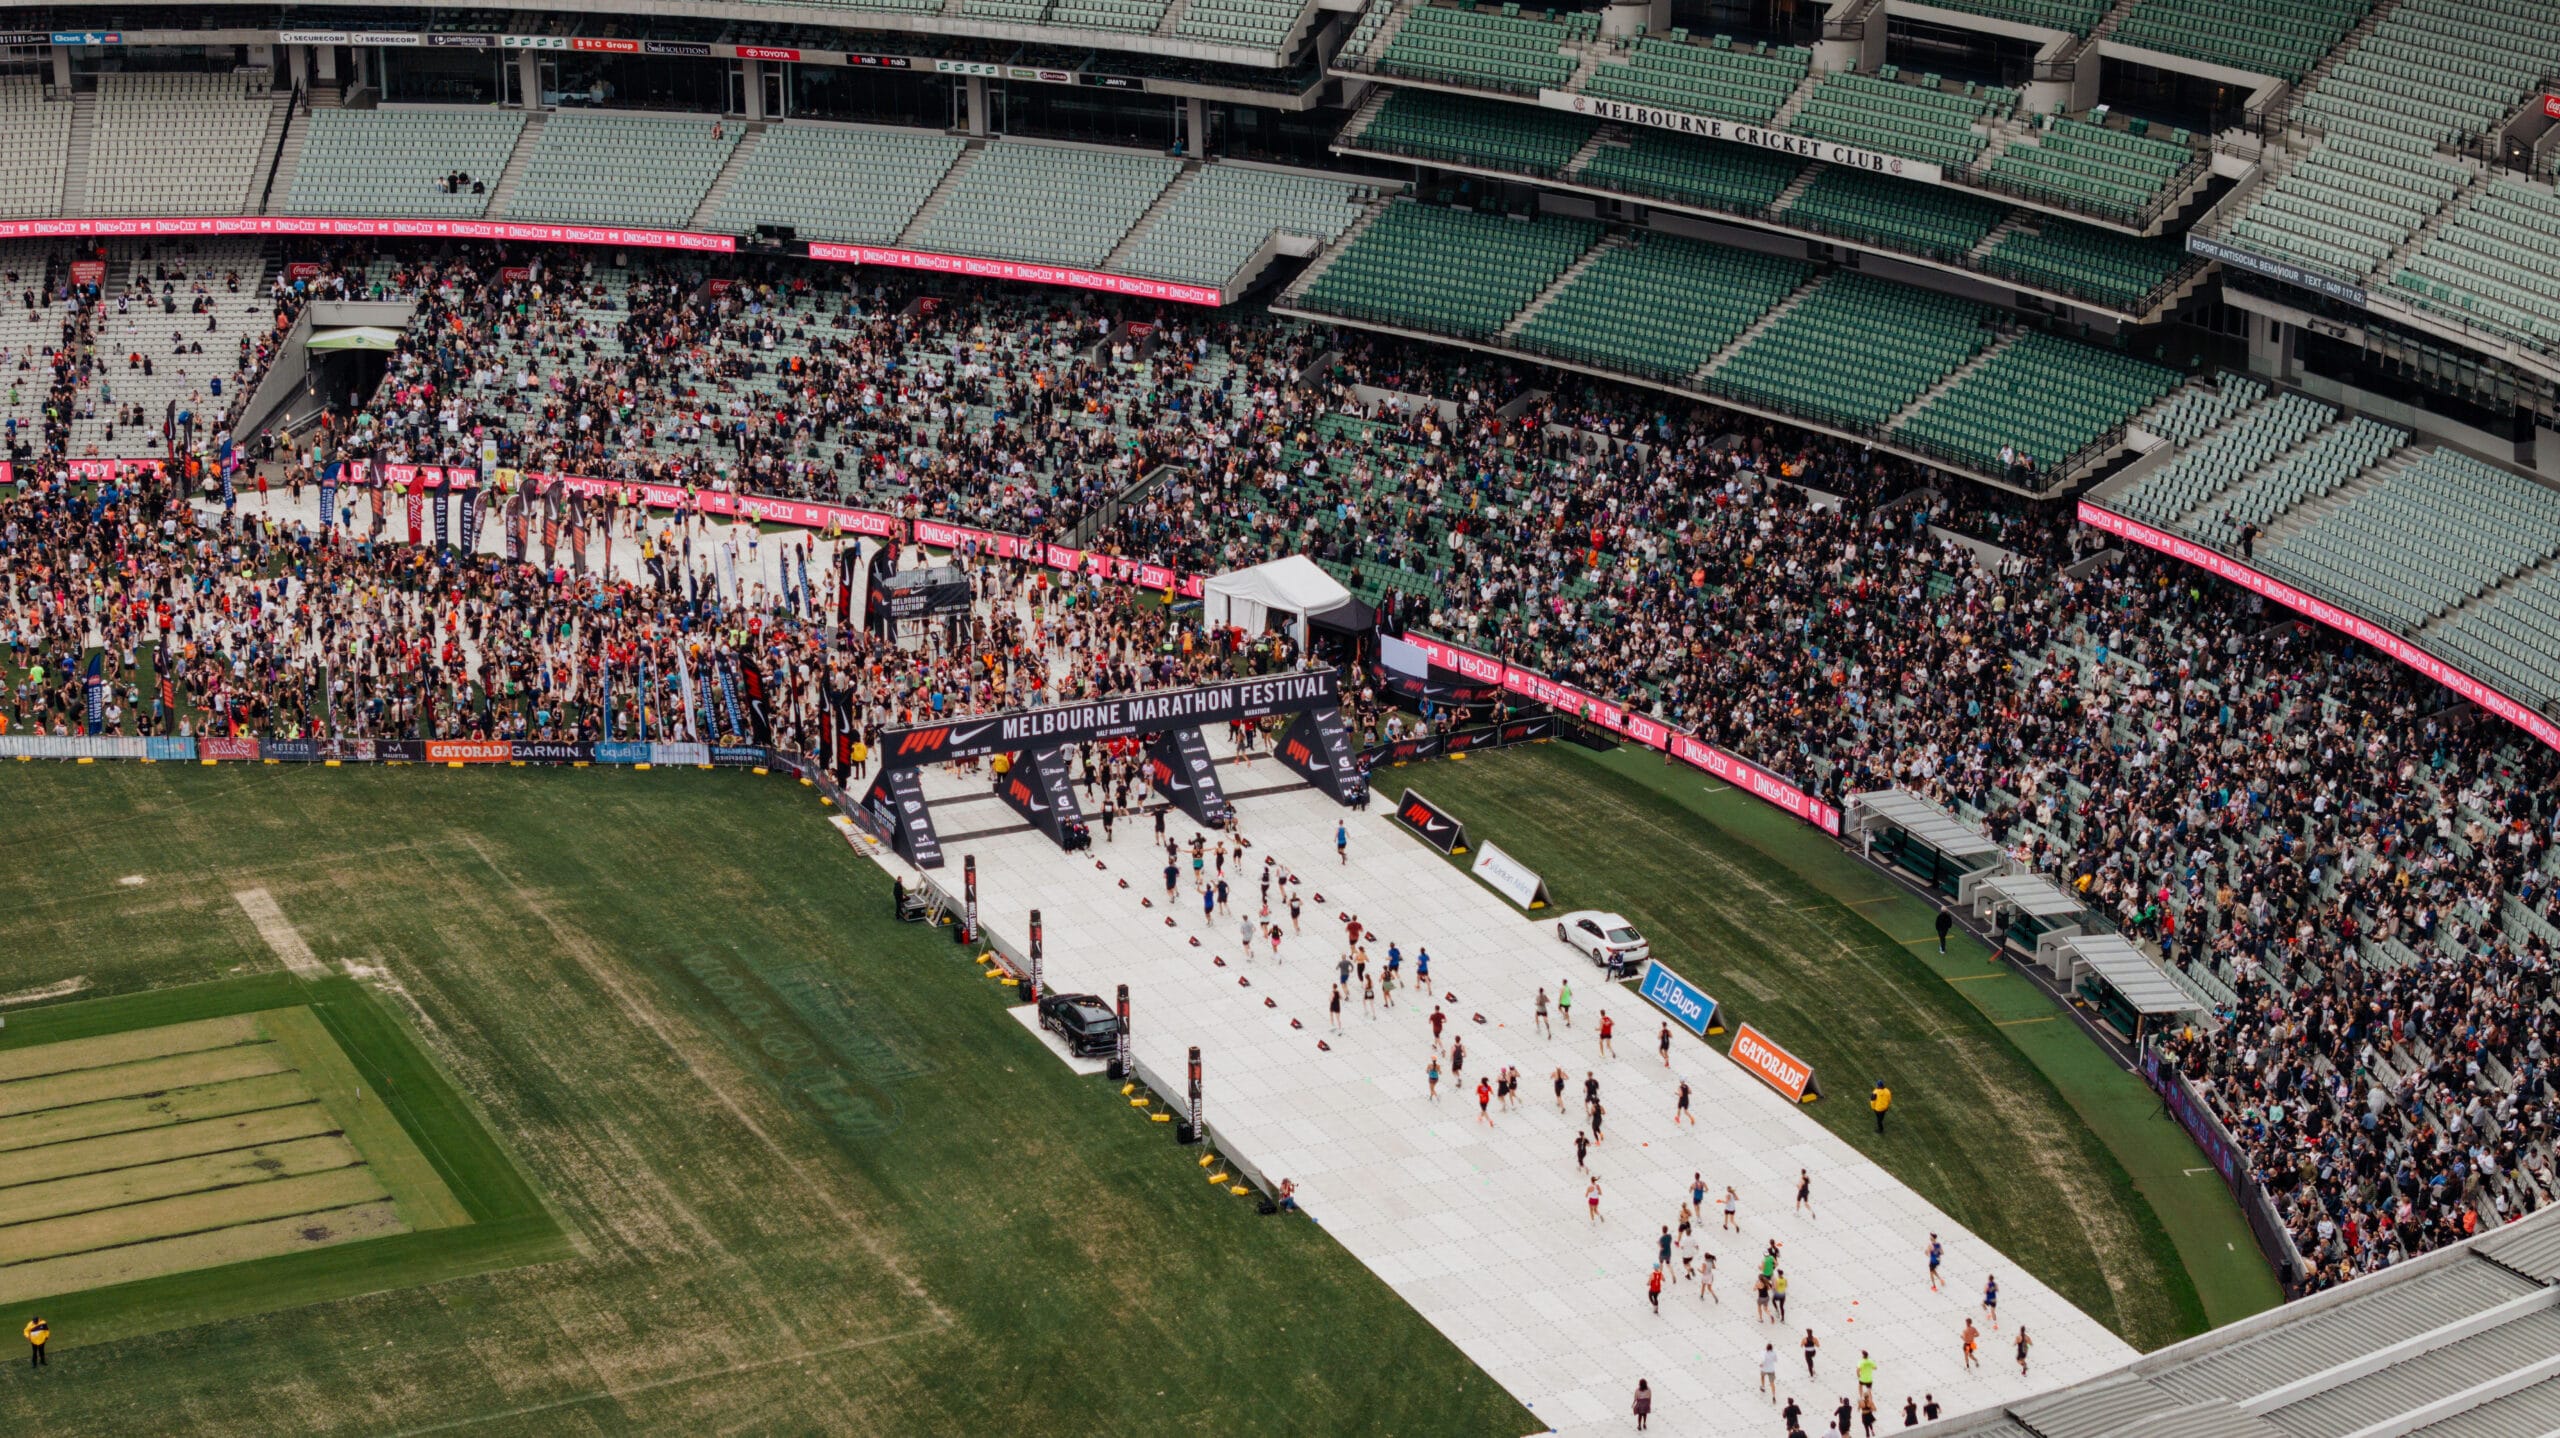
(731, 505)
(1773, 1065)
(687, 753)
(1626, 724)
(1802, 147)
(469, 751)
(623, 753)
(2223, 566)
(745, 756)
(1687, 1004)
(400, 751)
(1509, 877)
(985, 269)
(46, 746)
(146, 227)
(169, 750)
(1438, 827)
(547, 751)
(210, 747)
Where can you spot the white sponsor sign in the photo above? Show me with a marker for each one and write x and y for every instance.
(1803, 147)
(1509, 877)
(311, 37)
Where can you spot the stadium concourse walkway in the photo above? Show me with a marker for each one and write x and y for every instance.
(2203, 1221)
(1483, 1229)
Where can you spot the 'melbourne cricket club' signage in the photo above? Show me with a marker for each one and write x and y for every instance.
(1803, 147)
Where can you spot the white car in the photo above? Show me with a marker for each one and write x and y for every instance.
(1606, 939)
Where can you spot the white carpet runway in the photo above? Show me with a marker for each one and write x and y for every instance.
(1483, 1227)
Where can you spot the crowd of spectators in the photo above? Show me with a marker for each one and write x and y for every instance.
(2356, 872)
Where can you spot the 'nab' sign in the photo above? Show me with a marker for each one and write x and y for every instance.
(1775, 1066)
(1437, 826)
(1687, 1004)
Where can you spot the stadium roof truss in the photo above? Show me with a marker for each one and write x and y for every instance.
(2463, 1342)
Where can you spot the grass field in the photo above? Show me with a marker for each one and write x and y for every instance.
(140, 1149)
(2005, 1115)
(750, 1157)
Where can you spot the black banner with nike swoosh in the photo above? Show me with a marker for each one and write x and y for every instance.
(1438, 827)
(1317, 748)
(1040, 789)
(1179, 767)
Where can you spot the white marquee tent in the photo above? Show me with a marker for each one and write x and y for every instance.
(1285, 592)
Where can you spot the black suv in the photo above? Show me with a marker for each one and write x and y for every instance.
(1084, 1021)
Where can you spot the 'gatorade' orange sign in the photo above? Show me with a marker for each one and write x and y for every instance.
(1775, 1066)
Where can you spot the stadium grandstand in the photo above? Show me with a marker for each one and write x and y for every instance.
(2115, 441)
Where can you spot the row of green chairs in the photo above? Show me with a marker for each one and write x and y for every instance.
(1448, 271)
(1493, 134)
(2284, 38)
(1898, 214)
(1854, 351)
(2040, 397)
(1505, 51)
(2082, 260)
(1660, 306)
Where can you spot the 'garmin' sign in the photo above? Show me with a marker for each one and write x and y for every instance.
(1828, 152)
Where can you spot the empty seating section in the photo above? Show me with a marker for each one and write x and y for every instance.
(2077, 16)
(1921, 122)
(1500, 51)
(1660, 306)
(1854, 350)
(1492, 134)
(34, 134)
(2506, 639)
(178, 144)
(2102, 265)
(2217, 462)
(1454, 272)
(394, 162)
(2496, 262)
(1127, 16)
(2437, 71)
(1355, 50)
(2345, 207)
(607, 169)
(2199, 408)
(1020, 12)
(1716, 79)
(2284, 38)
(2046, 398)
(2422, 540)
(2326, 463)
(1045, 203)
(1210, 227)
(2115, 173)
(1261, 24)
(1705, 173)
(1897, 214)
(859, 186)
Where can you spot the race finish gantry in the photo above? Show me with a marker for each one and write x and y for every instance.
(1316, 746)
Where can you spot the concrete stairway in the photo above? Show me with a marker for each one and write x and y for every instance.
(75, 154)
(730, 169)
(942, 192)
(1191, 172)
(1752, 331)
(503, 193)
(1949, 381)
(1556, 287)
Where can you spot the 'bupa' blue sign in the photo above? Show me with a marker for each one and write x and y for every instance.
(1687, 1004)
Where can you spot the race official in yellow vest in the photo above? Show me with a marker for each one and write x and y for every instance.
(1880, 1101)
(37, 1332)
